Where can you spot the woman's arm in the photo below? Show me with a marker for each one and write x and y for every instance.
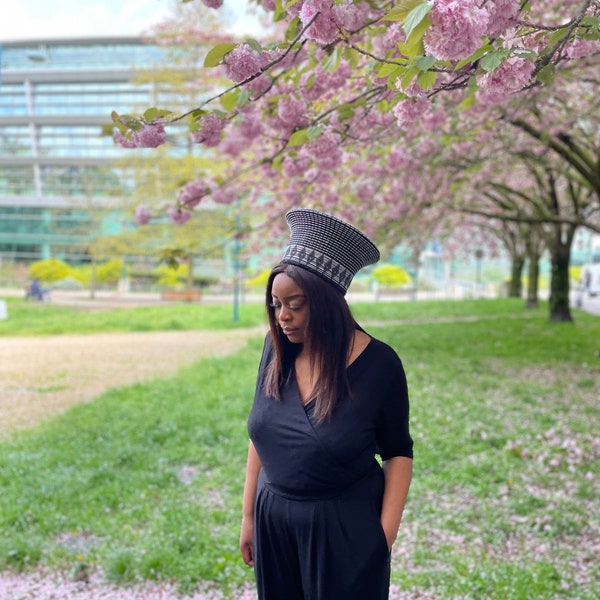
(252, 470)
(398, 473)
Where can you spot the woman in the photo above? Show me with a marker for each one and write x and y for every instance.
(320, 514)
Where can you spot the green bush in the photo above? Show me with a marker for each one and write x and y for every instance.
(259, 281)
(109, 272)
(50, 269)
(391, 276)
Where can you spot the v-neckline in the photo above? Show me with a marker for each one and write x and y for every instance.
(310, 402)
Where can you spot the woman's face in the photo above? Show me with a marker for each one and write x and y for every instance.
(290, 306)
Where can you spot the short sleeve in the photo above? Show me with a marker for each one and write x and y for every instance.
(392, 425)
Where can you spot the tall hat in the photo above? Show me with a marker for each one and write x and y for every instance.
(327, 246)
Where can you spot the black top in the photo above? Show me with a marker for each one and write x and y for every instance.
(301, 456)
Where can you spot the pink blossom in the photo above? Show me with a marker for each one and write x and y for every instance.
(269, 56)
(269, 5)
(151, 136)
(408, 112)
(250, 126)
(511, 76)
(123, 141)
(179, 216)
(211, 127)
(502, 15)
(213, 3)
(340, 76)
(389, 39)
(193, 192)
(325, 151)
(433, 121)
(242, 62)
(330, 200)
(324, 29)
(143, 214)
(581, 48)
(223, 196)
(292, 112)
(233, 144)
(351, 16)
(314, 84)
(292, 167)
(456, 29)
(366, 192)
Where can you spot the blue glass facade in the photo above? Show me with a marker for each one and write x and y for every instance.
(55, 99)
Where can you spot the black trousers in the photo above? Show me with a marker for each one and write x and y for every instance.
(330, 548)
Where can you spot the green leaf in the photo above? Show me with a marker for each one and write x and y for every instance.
(216, 54)
(351, 57)
(243, 97)
(332, 62)
(416, 17)
(388, 69)
(345, 112)
(154, 113)
(424, 63)
(407, 78)
(557, 36)
(298, 138)
(427, 79)
(383, 106)
(413, 46)
(467, 103)
(254, 44)
(490, 62)
(401, 12)
(314, 132)
(396, 14)
(547, 74)
(474, 57)
(293, 29)
(276, 164)
(229, 100)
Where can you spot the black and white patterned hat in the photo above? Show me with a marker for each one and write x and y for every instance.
(327, 246)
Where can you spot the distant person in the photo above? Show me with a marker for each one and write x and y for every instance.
(320, 514)
(36, 291)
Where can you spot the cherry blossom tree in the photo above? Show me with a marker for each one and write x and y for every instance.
(356, 107)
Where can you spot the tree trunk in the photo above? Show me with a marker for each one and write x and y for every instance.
(534, 248)
(532, 285)
(560, 252)
(515, 288)
(94, 281)
(190, 276)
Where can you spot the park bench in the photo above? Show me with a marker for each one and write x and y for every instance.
(181, 295)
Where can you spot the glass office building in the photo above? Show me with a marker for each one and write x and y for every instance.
(55, 162)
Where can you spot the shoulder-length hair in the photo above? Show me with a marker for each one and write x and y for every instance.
(330, 333)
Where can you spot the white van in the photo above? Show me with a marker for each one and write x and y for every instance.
(590, 279)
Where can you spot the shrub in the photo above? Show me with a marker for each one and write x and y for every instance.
(391, 276)
(50, 270)
(260, 280)
(109, 272)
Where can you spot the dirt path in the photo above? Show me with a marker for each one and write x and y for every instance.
(43, 376)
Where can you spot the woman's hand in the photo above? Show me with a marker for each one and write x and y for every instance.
(246, 541)
(398, 473)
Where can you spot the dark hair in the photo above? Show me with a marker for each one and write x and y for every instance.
(330, 332)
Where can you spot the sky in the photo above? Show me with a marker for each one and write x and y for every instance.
(50, 19)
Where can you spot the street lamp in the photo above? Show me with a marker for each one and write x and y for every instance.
(478, 257)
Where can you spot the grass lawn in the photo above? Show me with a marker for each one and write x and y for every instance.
(145, 482)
